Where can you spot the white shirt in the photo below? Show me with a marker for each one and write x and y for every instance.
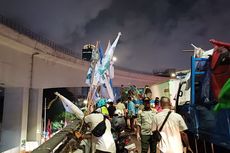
(171, 138)
(106, 141)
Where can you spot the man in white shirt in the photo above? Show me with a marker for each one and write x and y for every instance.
(104, 143)
(172, 131)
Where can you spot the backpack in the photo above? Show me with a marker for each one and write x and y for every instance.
(99, 130)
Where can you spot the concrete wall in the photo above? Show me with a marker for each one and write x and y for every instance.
(14, 124)
(34, 128)
(14, 67)
(53, 74)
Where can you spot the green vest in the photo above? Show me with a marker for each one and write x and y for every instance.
(104, 111)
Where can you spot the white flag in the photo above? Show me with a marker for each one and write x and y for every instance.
(111, 70)
(108, 56)
(70, 107)
(108, 87)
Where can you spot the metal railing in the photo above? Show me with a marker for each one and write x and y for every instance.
(63, 141)
(23, 30)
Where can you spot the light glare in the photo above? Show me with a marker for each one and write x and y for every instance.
(114, 59)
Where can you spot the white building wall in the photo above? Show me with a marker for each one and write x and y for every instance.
(167, 89)
(159, 90)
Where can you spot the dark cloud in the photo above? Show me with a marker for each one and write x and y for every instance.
(57, 19)
(154, 33)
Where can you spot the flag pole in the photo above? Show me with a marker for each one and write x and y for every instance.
(44, 128)
(65, 117)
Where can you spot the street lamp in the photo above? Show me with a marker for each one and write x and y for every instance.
(173, 75)
(114, 59)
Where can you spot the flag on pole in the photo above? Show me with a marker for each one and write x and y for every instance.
(101, 53)
(108, 87)
(106, 71)
(96, 77)
(95, 57)
(88, 80)
(108, 56)
(70, 107)
(112, 48)
(104, 92)
(111, 82)
(108, 47)
(103, 71)
(111, 70)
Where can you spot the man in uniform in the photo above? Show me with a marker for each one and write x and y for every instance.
(144, 128)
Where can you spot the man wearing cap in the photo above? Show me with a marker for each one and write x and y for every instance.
(144, 128)
(111, 108)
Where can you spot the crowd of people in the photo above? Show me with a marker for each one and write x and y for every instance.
(142, 115)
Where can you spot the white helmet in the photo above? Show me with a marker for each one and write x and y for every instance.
(109, 100)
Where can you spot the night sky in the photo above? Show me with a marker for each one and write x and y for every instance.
(154, 32)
